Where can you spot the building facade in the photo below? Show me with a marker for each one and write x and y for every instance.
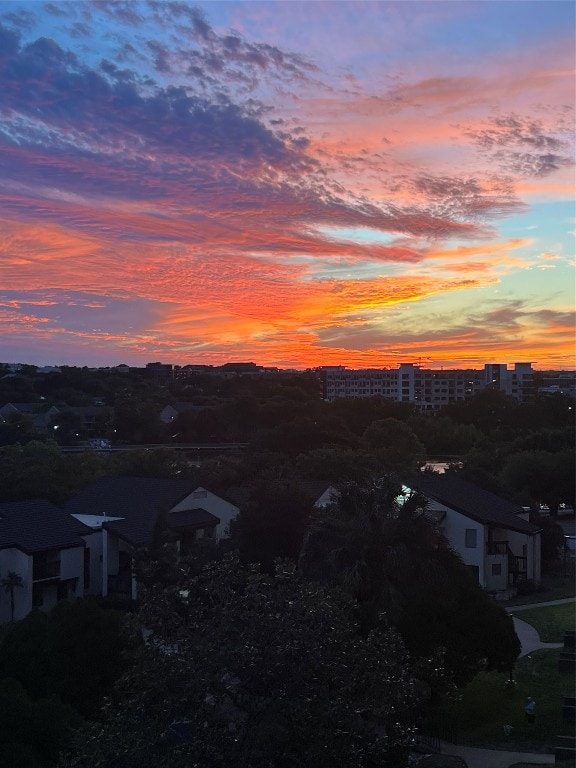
(429, 389)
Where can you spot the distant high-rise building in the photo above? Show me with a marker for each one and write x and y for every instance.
(429, 389)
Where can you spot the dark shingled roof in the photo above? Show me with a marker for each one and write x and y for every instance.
(473, 502)
(191, 518)
(38, 525)
(138, 500)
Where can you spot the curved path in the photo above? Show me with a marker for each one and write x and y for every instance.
(498, 758)
(528, 636)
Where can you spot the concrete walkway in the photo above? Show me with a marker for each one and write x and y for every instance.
(495, 758)
(530, 639)
(499, 758)
(563, 601)
(528, 636)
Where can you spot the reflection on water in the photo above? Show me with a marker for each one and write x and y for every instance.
(440, 466)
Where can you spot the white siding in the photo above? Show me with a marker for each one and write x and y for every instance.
(203, 499)
(454, 527)
(72, 567)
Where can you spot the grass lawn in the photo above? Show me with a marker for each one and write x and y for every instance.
(551, 588)
(487, 704)
(550, 620)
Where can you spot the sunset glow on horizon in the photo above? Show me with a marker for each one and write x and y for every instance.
(293, 183)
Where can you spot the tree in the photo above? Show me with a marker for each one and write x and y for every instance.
(386, 551)
(542, 477)
(257, 671)
(11, 582)
(394, 444)
(17, 428)
(152, 462)
(39, 470)
(273, 522)
(32, 733)
(75, 651)
(443, 436)
(337, 465)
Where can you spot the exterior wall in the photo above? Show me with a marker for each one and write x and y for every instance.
(529, 547)
(114, 545)
(20, 563)
(203, 499)
(327, 498)
(168, 414)
(496, 581)
(72, 567)
(94, 546)
(454, 527)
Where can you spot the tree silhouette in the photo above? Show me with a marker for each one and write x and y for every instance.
(10, 582)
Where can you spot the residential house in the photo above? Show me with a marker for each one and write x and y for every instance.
(170, 413)
(320, 491)
(491, 535)
(40, 414)
(123, 514)
(222, 507)
(93, 420)
(44, 546)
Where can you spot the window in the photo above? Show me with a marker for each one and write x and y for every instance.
(496, 569)
(470, 538)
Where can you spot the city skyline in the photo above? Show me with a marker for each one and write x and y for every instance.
(296, 183)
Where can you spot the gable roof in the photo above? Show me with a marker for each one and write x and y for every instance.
(313, 489)
(473, 502)
(138, 500)
(139, 530)
(191, 518)
(38, 525)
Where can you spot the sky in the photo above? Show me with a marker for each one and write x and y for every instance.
(291, 183)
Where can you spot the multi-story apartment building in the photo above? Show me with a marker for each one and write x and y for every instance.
(429, 389)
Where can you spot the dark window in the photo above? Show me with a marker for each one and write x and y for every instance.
(471, 538)
(496, 569)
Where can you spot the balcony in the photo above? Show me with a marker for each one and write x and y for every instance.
(46, 570)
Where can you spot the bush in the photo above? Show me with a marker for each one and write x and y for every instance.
(526, 587)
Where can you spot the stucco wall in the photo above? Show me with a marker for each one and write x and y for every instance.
(72, 567)
(454, 527)
(203, 499)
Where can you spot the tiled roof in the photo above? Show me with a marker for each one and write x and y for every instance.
(192, 518)
(139, 530)
(473, 502)
(38, 525)
(138, 500)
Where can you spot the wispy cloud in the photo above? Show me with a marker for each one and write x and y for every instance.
(187, 180)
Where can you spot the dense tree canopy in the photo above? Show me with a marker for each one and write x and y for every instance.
(250, 670)
(385, 549)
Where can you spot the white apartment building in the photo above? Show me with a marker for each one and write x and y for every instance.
(430, 389)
